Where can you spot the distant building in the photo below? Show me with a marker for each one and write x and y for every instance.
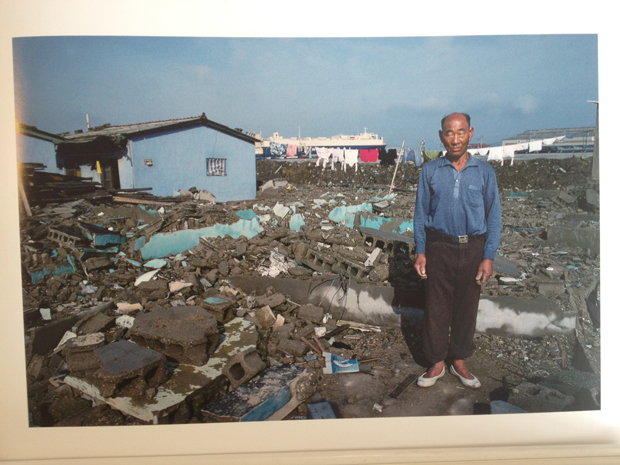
(580, 138)
(163, 155)
(477, 145)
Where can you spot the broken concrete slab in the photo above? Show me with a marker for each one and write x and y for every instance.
(186, 334)
(312, 313)
(219, 306)
(95, 322)
(585, 238)
(127, 369)
(504, 266)
(189, 386)
(79, 352)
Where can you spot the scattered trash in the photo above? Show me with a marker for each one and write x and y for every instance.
(337, 364)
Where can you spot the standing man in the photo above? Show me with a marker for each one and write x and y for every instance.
(457, 227)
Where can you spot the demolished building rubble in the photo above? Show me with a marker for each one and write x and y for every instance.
(148, 310)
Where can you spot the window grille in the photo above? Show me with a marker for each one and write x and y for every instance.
(216, 167)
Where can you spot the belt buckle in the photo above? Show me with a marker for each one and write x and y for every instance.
(462, 239)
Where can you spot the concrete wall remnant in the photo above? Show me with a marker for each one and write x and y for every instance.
(514, 316)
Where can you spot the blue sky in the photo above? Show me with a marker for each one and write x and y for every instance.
(397, 87)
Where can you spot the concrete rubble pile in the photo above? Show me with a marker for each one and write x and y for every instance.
(190, 310)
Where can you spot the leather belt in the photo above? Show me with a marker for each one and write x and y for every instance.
(434, 236)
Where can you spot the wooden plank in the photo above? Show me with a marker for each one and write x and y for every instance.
(402, 387)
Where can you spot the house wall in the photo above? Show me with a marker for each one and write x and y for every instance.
(33, 150)
(179, 162)
(125, 172)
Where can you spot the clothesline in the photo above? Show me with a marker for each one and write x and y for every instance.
(508, 151)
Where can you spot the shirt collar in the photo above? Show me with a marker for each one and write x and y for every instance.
(473, 161)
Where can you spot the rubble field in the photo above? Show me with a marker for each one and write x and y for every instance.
(150, 310)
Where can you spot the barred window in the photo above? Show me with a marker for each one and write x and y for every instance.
(216, 167)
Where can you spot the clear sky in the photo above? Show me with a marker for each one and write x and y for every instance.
(397, 87)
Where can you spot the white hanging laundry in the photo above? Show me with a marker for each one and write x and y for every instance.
(536, 146)
(549, 141)
(337, 156)
(483, 151)
(521, 146)
(496, 153)
(473, 152)
(323, 153)
(509, 151)
(350, 158)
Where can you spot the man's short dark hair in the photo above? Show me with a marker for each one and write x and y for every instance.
(457, 113)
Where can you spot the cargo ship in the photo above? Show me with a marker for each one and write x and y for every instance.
(277, 146)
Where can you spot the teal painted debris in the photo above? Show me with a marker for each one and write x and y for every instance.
(296, 222)
(164, 244)
(216, 300)
(101, 237)
(395, 225)
(338, 214)
(156, 263)
(57, 271)
(246, 215)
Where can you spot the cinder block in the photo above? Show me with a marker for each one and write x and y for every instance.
(243, 366)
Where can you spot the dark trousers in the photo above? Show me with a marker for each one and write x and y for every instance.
(452, 297)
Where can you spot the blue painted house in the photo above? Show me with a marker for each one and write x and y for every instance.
(165, 156)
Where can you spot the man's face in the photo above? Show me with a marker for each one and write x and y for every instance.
(455, 135)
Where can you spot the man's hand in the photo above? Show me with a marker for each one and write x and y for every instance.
(420, 265)
(485, 270)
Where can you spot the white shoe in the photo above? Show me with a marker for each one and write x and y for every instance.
(472, 383)
(428, 382)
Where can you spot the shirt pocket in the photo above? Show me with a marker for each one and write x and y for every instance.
(473, 196)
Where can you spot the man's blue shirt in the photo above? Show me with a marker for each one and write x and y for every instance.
(458, 204)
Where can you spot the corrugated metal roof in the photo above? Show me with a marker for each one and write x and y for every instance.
(129, 130)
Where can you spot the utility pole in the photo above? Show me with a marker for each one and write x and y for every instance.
(595, 170)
